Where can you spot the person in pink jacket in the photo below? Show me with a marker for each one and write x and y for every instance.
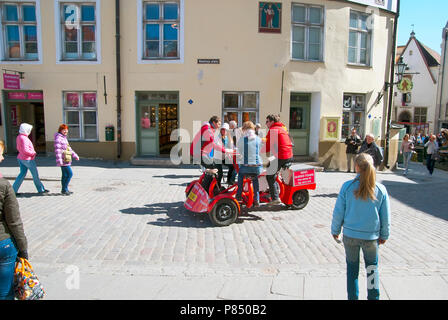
(26, 157)
(61, 148)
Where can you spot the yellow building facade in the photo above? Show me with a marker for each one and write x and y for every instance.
(319, 64)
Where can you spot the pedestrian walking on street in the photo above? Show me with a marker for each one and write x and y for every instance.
(363, 211)
(432, 153)
(13, 242)
(407, 147)
(353, 142)
(64, 154)
(370, 147)
(26, 157)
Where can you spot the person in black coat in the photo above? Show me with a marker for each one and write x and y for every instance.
(353, 142)
(369, 146)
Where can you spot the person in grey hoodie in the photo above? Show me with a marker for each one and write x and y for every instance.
(363, 210)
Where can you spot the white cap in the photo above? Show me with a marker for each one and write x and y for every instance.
(225, 126)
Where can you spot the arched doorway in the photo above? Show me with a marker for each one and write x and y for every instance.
(405, 119)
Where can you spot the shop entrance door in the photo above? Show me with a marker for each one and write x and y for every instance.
(25, 111)
(299, 122)
(157, 119)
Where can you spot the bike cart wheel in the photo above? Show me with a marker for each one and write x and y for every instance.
(224, 213)
(300, 199)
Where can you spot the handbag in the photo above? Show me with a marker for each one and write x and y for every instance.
(26, 284)
(67, 155)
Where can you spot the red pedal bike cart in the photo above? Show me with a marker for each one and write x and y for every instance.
(204, 196)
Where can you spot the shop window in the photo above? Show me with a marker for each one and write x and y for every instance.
(79, 31)
(360, 35)
(353, 114)
(240, 107)
(161, 24)
(81, 115)
(307, 32)
(19, 30)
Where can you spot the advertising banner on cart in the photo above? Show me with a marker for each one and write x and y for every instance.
(389, 5)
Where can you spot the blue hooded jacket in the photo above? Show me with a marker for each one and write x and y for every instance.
(366, 220)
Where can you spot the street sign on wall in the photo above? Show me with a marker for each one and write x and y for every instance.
(389, 5)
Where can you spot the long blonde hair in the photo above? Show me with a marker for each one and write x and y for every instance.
(367, 179)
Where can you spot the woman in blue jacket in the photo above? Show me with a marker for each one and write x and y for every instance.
(363, 210)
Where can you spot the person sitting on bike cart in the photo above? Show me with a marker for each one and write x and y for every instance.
(249, 161)
(279, 144)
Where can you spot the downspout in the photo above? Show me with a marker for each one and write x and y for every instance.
(118, 70)
(391, 89)
(438, 118)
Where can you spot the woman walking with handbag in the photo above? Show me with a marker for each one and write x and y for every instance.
(363, 210)
(13, 242)
(64, 154)
(26, 157)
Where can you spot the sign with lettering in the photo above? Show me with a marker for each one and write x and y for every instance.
(389, 5)
(22, 95)
(303, 178)
(11, 81)
(208, 61)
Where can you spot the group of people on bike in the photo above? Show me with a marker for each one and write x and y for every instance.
(215, 144)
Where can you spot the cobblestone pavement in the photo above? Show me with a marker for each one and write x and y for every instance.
(130, 221)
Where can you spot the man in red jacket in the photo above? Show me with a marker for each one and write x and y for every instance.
(279, 144)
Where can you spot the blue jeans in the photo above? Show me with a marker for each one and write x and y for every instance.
(430, 164)
(244, 170)
(24, 166)
(406, 158)
(8, 255)
(67, 175)
(370, 252)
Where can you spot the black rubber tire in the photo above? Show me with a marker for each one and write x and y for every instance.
(224, 213)
(300, 199)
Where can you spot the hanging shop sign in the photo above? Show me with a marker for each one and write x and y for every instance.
(405, 85)
(11, 81)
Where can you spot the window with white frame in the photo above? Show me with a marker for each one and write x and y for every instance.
(78, 31)
(360, 35)
(19, 30)
(353, 114)
(307, 32)
(81, 115)
(240, 107)
(161, 29)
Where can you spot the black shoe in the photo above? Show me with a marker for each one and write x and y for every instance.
(66, 193)
(45, 191)
(256, 204)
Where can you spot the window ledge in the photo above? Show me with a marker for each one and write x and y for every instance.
(307, 61)
(359, 66)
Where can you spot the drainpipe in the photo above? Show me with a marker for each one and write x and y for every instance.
(391, 89)
(438, 117)
(118, 70)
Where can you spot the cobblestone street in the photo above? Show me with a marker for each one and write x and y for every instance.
(129, 223)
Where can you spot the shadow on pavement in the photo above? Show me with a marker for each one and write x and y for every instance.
(429, 198)
(329, 195)
(177, 215)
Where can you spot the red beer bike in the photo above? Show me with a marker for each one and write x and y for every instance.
(204, 195)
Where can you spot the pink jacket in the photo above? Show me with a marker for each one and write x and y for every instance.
(25, 147)
(60, 145)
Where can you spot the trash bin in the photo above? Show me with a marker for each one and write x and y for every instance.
(420, 152)
(110, 133)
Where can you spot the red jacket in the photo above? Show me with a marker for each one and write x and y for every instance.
(279, 138)
(208, 141)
